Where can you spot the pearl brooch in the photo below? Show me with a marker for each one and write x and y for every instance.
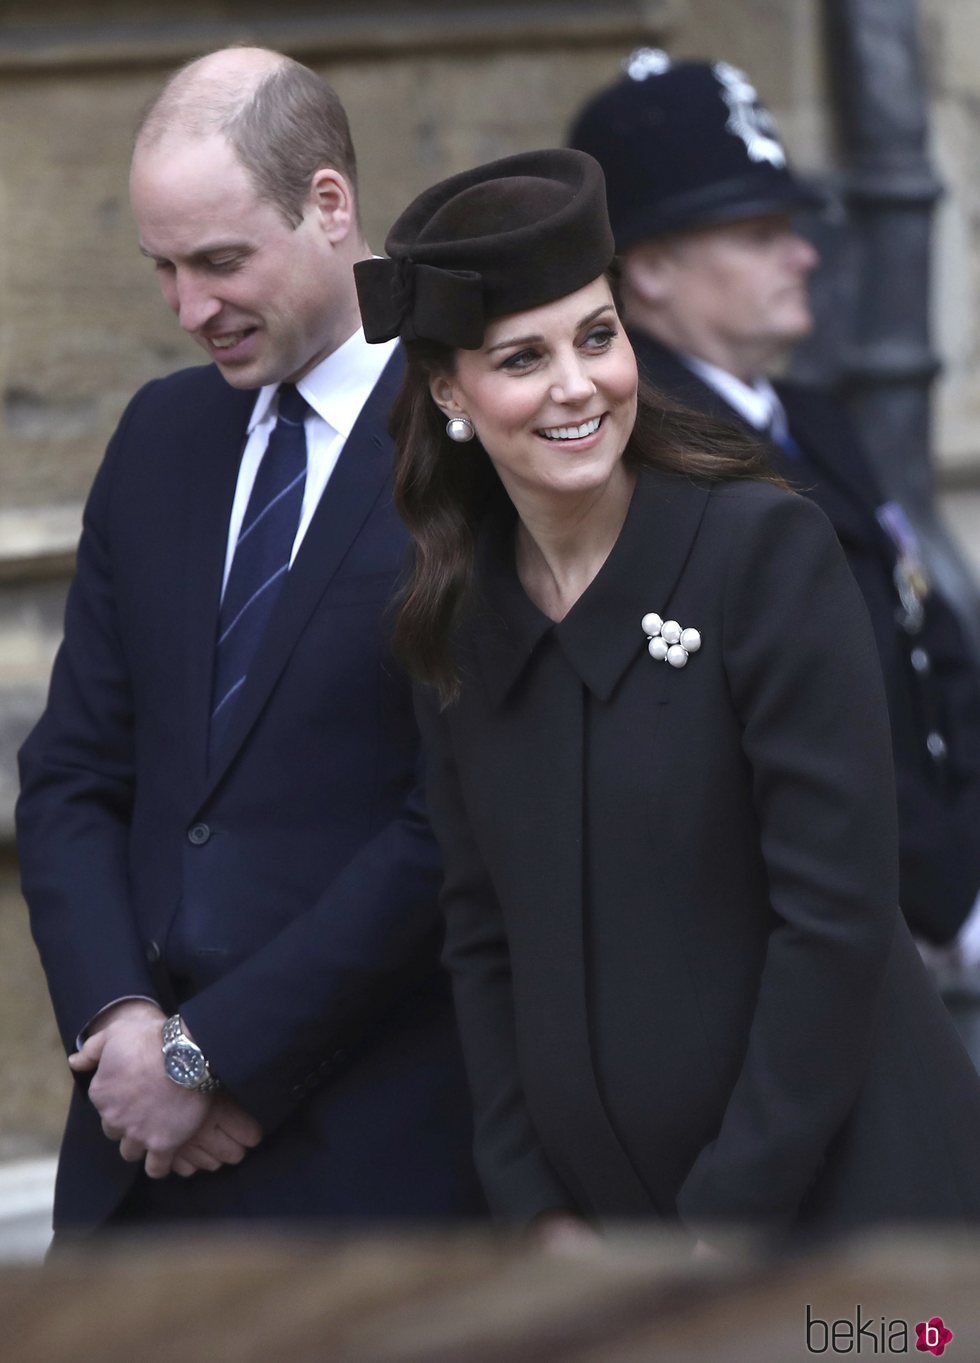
(668, 642)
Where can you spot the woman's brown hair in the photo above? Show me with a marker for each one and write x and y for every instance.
(442, 490)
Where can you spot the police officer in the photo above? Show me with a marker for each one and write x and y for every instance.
(714, 281)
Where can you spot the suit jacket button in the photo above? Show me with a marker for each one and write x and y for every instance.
(153, 952)
(198, 834)
(298, 1091)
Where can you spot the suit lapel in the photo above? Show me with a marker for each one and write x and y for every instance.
(362, 473)
(213, 453)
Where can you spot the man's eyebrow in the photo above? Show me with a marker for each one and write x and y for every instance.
(528, 340)
(212, 249)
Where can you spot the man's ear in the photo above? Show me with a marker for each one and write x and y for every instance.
(333, 199)
(443, 392)
(647, 270)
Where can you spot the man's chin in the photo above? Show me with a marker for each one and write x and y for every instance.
(243, 377)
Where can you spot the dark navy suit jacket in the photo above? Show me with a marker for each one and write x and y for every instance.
(285, 898)
(938, 797)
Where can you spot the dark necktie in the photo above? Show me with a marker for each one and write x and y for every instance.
(787, 444)
(261, 559)
(778, 432)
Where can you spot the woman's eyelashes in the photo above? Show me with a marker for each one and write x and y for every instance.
(601, 338)
(596, 341)
(523, 359)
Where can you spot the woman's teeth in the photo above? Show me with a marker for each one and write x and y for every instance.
(572, 432)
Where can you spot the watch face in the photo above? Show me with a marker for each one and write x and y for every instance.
(185, 1065)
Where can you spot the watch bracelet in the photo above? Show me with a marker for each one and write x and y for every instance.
(174, 1031)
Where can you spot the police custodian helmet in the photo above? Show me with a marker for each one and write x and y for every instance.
(685, 144)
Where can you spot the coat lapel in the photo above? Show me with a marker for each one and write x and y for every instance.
(362, 473)
(602, 634)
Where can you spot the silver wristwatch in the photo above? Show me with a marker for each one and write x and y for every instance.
(184, 1061)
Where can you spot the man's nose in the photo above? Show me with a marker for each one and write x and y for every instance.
(803, 253)
(193, 301)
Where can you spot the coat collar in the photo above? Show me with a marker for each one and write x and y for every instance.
(601, 635)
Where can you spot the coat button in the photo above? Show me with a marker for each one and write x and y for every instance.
(920, 660)
(936, 745)
(152, 952)
(198, 834)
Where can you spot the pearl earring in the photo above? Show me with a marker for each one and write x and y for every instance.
(460, 429)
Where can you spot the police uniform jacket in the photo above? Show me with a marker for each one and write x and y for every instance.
(681, 977)
(931, 679)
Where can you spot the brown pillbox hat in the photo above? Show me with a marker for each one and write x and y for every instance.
(502, 238)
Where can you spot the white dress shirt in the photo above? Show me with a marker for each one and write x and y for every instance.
(336, 390)
(757, 403)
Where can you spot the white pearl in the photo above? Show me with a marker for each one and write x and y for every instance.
(671, 631)
(658, 649)
(650, 624)
(677, 656)
(691, 640)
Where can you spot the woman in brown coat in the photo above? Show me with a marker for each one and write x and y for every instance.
(659, 763)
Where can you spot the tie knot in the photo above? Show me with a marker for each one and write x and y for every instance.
(292, 405)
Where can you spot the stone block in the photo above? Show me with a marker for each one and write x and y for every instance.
(36, 1081)
(952, 33)
(775, 41)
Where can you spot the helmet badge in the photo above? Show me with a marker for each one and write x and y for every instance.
(747, 118)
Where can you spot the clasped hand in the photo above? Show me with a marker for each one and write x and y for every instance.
(167, 1127)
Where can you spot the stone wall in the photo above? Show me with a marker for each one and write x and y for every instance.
(430, 88)
(951, 30)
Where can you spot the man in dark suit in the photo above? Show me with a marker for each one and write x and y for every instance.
(714, 286)
(231, 880)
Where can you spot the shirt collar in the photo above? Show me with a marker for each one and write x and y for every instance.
(338, 387)
(757, 402)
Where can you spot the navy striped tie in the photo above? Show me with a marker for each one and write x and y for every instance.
(261, 559)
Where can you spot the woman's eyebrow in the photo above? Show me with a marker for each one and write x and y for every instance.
(528, 340)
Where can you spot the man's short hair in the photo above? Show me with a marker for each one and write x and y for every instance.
(283, 128)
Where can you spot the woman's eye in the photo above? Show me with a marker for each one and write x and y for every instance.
(522, 360)
(600, 338)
